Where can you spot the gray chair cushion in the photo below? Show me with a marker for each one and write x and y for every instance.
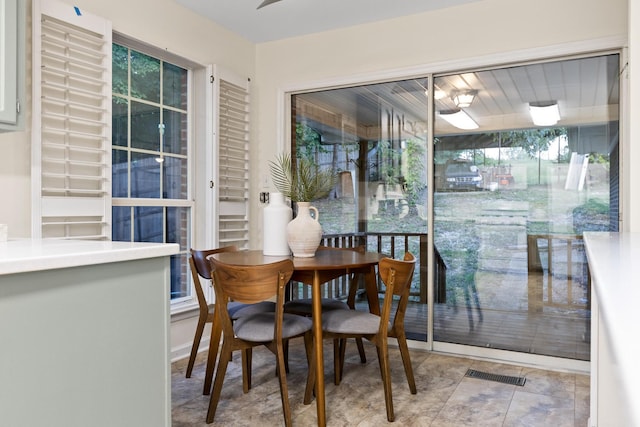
(238, 309)
(258, 327)
(303, 306)
(350, 321)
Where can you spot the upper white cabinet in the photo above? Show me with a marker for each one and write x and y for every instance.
(12, 66)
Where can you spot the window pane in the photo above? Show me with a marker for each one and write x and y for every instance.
(178, 227)
(121, 217)
(145, 77)
(145, 176)
(175, 132)
(174, 88)
(144, 126)
(148, 224)
(374, 138)
(512, 201)
(175, 177)
(119, 173)
(120, 70)
(180, 286)
(119, 121)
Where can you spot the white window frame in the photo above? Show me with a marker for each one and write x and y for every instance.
(187, 302)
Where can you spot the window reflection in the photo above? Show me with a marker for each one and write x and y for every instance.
(145, 77)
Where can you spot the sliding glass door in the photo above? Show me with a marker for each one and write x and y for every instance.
(512, 193)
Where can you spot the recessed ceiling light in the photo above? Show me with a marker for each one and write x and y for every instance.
(459, 119)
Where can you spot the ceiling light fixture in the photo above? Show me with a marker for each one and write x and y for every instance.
(459, 119)
(463, 99)
(544, 113)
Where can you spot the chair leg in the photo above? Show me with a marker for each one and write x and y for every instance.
(406, 361)
(196, 343)
(337, 361)
(247, 356)
(363, 356)
(285, 347)
(214, 343)
(343, 351)
(225, 356)
(311, 378)
(282, 376)
(338, 358)
(385, 371)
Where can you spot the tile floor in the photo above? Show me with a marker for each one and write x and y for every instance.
(446, 398)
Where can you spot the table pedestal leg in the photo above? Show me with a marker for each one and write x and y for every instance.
(371, 286)
(317, 338)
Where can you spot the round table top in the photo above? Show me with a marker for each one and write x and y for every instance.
(325, 259)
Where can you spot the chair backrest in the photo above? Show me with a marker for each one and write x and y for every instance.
(200, 262)
(200, 268)
(397, 276)
(251, 284)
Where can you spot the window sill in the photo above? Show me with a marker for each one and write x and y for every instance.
(182, 311)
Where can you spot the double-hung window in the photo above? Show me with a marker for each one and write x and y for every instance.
(150, 156)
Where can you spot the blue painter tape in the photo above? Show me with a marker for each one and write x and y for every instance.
(77, 9)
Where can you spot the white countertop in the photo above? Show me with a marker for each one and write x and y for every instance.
(614, 263)
(26, 255)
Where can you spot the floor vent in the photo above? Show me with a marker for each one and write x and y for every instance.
(506, 379)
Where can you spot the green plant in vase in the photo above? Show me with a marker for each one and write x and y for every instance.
(306, 184)
(302, 185)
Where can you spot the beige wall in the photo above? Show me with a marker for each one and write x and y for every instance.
(162, 23)
(495, 31)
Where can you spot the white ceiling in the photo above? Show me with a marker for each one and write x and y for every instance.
(290, 18)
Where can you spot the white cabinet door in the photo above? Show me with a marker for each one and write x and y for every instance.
(11, 60)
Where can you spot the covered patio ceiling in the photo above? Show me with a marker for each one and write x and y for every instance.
(586, 90)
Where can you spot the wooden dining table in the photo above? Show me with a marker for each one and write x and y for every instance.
(326, 265)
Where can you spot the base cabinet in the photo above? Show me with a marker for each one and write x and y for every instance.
(615, 317)
(86, 346)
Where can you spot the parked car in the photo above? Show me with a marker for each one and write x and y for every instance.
(461, 174)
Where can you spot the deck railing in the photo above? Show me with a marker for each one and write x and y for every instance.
(390, 244)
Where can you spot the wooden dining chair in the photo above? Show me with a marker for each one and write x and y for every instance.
(200, 269)
(303, 306)
(342, 324)
(251, 285)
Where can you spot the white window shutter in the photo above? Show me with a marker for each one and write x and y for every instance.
(71, 132)
(230, 158)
